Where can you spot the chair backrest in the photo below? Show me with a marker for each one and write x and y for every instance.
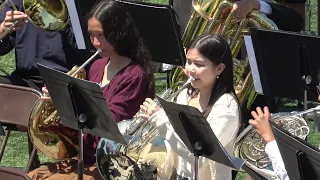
(16, 103)
(12, 174)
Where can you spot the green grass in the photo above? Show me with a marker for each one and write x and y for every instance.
(16, 153)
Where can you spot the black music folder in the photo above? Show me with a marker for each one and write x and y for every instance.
(158, 27)
(284, 64)
(301, 159)
(87, 98)
(193, 129)
(81, 106)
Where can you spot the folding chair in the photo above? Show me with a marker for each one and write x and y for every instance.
(15, 108)
(12, 174)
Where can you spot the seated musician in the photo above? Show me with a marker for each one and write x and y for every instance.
(284, 17)
(263, 128)
(209, 62)
(123, 73)
(33, 45)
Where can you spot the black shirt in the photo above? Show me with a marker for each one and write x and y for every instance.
(33, 45)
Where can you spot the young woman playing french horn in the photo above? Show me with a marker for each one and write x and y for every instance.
(209, 62)
(123, 73)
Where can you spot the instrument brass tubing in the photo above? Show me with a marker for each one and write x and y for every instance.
(86, 63)
(306, 111)
(8, 30)
(43, 116)
(141, 149)
(182, 87)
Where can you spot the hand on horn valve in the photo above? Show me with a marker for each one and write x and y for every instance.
(149, 107)
(46, 94)
(11, 18)
(261, 123)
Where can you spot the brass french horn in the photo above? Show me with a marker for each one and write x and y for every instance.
(49, 15)
(251, 147)
(45, 129)
(146, 155)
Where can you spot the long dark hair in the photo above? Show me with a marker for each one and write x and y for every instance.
(122, 34)
(217, 50)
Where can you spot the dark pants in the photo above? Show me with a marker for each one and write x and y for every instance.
(34, 82)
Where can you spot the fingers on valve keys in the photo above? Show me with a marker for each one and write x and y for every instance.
(149, 107)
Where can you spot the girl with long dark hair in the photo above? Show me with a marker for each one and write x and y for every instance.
(209, 62)
(123, 73)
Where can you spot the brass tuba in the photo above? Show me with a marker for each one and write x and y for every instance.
(208, 17)
(45, 129)
(146, 155)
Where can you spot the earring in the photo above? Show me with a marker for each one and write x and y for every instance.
(217, 76)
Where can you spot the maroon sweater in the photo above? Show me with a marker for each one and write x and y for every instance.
(124, 94)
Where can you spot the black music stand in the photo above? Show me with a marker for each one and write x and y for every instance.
(287, 64)
(196, 133)
(1, 130)
(81, 106)
(297, 155)
(157, 25)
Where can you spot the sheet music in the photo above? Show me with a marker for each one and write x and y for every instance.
(253, 64)
(75, 22)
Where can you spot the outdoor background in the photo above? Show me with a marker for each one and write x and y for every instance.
(16, 153)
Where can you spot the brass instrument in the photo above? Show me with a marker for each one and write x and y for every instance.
(45, 129)
(49, 15)
(207, 17)
(251, 147)
(146, 155)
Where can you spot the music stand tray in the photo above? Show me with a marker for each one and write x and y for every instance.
(285, 63)
(81, 106)
(196, 133)
(301, 159)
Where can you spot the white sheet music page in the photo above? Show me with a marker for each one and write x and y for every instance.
(253, 64)
(75, 22)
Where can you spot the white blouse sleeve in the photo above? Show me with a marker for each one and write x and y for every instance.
(165, 129)
(274, 155)
(223, 119)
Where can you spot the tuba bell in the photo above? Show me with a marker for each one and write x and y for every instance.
(146, 155)
(45, 129)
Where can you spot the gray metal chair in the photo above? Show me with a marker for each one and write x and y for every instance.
(12, 174)
(16, 103)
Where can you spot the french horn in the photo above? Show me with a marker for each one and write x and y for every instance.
(251, 147)
(146, 155)
(49, 15)
(45, 129)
